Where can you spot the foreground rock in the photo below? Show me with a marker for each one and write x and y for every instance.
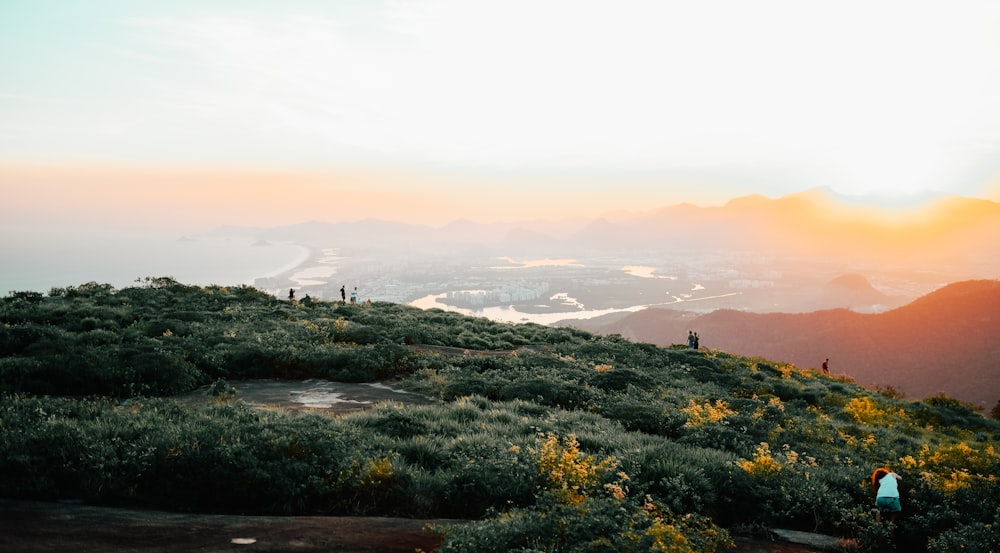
(821, 542)
(334, 397)
(33, 527)
(36, 527)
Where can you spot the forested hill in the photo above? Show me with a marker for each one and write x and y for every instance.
(549, 438)
(945, 342)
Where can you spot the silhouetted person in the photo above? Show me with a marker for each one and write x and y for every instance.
(826, 366)
(291, 294)
(343, 294)
(691, 339)
(697, 340)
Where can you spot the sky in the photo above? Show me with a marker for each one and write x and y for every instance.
(190, 114)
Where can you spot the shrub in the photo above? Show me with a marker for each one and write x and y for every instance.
(975, 537)
(574, 514)
(221, 389)
(568, 472)
(619, 379)
(546, 392)
(639, 411)
(943, 411)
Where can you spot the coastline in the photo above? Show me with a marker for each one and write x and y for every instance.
(305, 254)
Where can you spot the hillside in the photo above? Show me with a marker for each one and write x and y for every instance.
(945, 342)
(546, 438)
(854, 292)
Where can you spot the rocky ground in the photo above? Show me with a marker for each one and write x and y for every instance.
(332, 397)
(37, 527)
(34, 527)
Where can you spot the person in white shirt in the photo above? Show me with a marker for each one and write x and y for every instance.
(887, 496)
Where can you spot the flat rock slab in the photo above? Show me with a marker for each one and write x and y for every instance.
(35, 527)
(818, 541)
(336, 397)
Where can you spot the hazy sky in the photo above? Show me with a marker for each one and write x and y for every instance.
(269, 112)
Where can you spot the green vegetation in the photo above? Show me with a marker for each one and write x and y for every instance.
(552, 439)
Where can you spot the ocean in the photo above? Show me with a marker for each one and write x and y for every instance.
(39, 263)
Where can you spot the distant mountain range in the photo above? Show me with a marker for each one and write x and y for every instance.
(943, 231)
(947, 341)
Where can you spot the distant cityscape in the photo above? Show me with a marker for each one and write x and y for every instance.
(691, 282)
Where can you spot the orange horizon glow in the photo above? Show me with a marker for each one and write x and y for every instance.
(893, 235)
(69, 206)
(160, 197)
(172, 197)
(125, 199)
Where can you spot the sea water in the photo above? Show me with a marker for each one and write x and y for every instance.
(39, 263)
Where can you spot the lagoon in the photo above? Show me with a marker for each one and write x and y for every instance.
(510, 314)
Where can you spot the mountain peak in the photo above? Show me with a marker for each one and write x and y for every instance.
(850, 281)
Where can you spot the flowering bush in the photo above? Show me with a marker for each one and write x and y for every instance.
(763, 463)
(700, 414)
(569, 473)
(572, 515)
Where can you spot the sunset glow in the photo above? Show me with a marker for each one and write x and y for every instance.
(436, 110)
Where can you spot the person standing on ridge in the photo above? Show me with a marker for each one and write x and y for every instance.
(690, 339)
(354, 296)
(291, 294)
(343, 294)
(826, 366)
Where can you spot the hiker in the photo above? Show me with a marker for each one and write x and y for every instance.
(690, 339)
(343, 294)
(291, 294)
(826, 366)
(354, 296)
(696, 340)
(887, 496)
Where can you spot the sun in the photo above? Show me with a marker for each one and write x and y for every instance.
(899, 172)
